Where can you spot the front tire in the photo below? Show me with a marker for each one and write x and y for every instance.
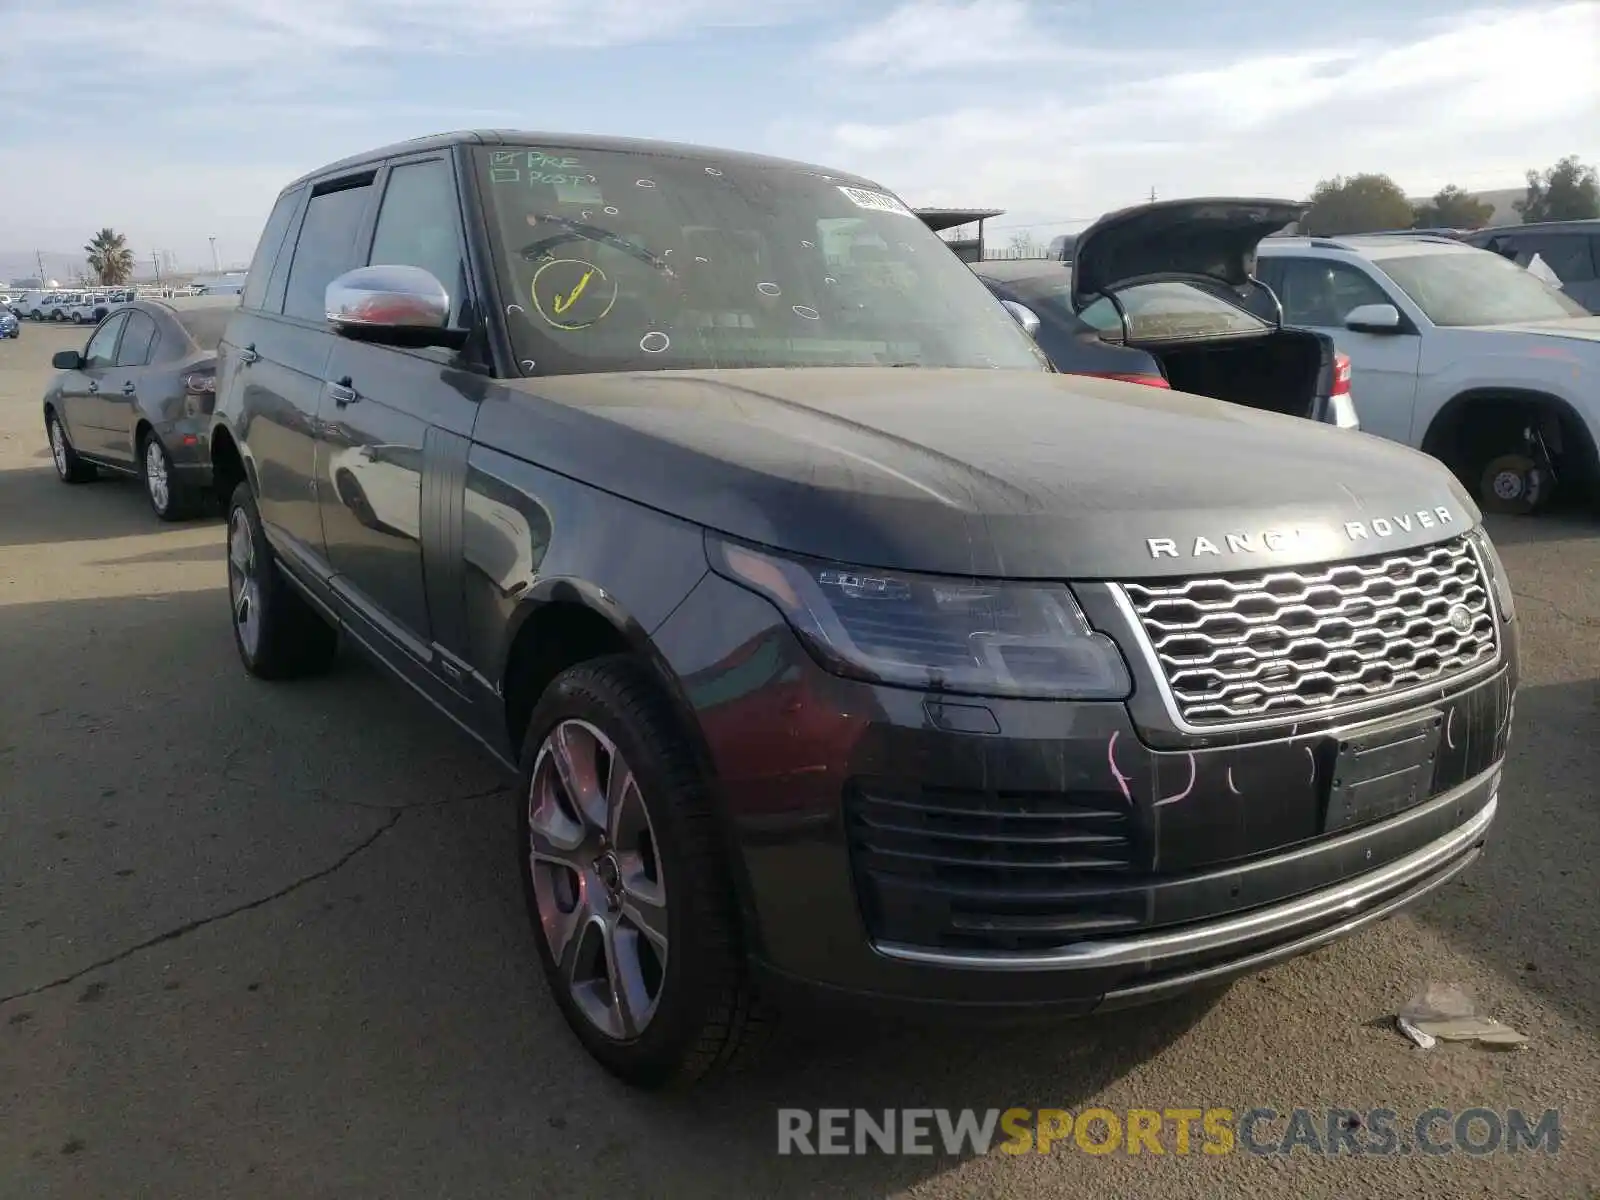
(627, 884)
(276, 631)
(1514, 484)
(69, 467)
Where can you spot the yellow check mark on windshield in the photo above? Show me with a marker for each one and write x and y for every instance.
(562, 303)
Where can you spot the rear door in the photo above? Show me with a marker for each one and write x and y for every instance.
(1318, 294)
(80, 391)
(282, 362)
(395, 432)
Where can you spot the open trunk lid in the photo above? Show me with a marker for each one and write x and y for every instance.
(1209, 238)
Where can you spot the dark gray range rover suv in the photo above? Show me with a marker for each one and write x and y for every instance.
(840, 642)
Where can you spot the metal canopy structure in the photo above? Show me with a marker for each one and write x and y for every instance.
(941, 219)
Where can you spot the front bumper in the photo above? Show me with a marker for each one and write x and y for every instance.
(1017, 854)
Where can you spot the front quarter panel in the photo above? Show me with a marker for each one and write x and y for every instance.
(1465, 360)
(531, 536)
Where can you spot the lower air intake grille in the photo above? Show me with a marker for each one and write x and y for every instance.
(957, 869)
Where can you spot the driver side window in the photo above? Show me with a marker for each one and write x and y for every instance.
(1318, 292)
(101, 351)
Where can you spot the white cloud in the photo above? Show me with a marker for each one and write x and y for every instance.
(1475, 102)
(941, 35)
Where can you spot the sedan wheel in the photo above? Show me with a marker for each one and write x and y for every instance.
(156, 478)
(243, 587)
(597, 879)
(58, 448)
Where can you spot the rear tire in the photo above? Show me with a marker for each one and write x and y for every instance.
(170, 499)
(69, 467)
(276, 631)
(687, 1007)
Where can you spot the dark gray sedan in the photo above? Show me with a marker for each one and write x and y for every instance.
(137, 400)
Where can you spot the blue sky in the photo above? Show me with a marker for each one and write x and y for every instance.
(178, 120)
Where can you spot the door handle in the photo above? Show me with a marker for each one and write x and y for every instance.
(248, 355)
(128, 389)
(343, 393)
(93, 387)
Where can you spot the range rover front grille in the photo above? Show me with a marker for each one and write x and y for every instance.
(1291, 643)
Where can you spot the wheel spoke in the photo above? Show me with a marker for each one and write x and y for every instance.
(644, 906)
(630, 1000)
(241, 603)
(554, 831)
(564, 931)
(574, 749)
(625, 817)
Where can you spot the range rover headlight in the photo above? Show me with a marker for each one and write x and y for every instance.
(1498, 579)
(972, 636)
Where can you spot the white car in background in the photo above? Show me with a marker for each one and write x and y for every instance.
(1457, 352)
(92, 307)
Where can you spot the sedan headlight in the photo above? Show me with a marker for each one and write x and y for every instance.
(972, 636)
(1505, 601)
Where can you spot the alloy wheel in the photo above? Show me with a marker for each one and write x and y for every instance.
(58, 448)
(155, 475)
(597, 879)
(244, 589)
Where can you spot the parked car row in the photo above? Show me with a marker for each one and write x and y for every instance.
(1414, 336)
(80, 308)
(838, 641)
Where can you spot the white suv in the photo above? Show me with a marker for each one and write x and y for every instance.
(1457, 352)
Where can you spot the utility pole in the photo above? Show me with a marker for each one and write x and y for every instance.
(216, 266)
(155, 261)
(1152, 193)
(39, 258)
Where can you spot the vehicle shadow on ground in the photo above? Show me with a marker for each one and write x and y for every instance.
(1527, 908)
(36, 508)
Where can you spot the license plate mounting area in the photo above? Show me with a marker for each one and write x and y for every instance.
(1380, 770)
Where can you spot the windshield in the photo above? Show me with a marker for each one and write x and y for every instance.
(1478, 288)
(618, 261)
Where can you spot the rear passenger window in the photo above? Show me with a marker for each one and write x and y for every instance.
(325, 250)
(419, 225)
(255, 287)
(136, 341)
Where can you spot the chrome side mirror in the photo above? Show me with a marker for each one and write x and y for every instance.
(1373, 318)
(374, 301)
(1025, 316)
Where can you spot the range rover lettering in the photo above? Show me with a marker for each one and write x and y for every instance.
(838, 643)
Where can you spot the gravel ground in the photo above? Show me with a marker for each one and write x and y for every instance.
(267, 941)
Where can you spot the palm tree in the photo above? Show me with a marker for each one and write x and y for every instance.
(109, 257)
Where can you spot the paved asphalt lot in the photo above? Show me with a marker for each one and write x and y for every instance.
(266, 941)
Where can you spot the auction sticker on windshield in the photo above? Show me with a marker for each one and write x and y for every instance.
(876, 201)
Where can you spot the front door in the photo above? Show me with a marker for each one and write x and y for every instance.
(80, 391)
(1319, 294)
(390, 422)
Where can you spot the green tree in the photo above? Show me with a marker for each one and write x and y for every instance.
(109, 257)
(1453, 208)
(1568, 191)
(1359, 204)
